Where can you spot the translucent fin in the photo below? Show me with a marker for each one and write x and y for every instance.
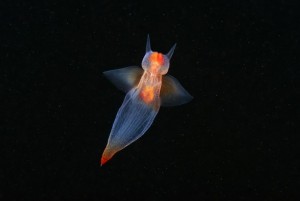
(125, 78)
(172, 93)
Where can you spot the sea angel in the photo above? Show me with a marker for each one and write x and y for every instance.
(147, 89)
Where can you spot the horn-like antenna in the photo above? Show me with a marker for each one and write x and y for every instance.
(148, 45)
(171, 51)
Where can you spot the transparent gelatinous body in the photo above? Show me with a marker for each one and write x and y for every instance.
(147, 89)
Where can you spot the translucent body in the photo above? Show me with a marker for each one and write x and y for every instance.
(146, 91)
(134, 117)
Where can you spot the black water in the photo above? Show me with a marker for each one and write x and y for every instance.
(236, 140)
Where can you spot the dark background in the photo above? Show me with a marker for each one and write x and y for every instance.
(235, 141)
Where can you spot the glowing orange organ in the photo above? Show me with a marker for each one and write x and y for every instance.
(147, 94)
(157, 57)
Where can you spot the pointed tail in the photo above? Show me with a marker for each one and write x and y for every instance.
(107, 155)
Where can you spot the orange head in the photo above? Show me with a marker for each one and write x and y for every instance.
(156, 62)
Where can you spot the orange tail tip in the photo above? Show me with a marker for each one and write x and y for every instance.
(106, 156)
(103, 160)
